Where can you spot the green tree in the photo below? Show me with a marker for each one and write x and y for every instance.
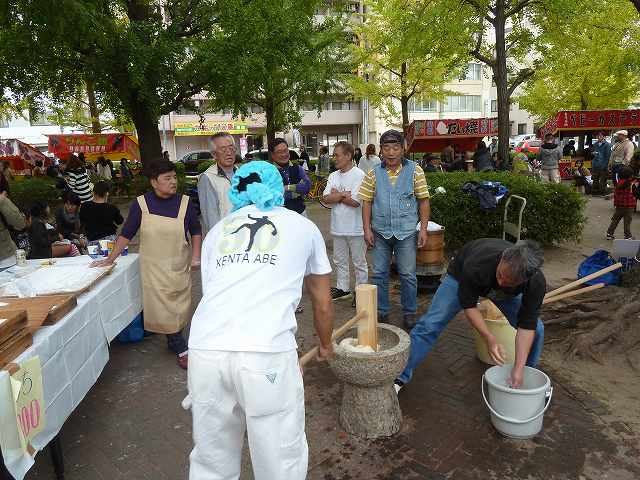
(407, 49)
(86, 109)
(587, 65)
(146, 58)
(506, 52)
(280, 58)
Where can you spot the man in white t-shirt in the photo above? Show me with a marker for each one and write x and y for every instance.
(243, 364)
(346, 220)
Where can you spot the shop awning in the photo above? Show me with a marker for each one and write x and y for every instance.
(118, 145)
(434, 135)
(209, 127)
(570, 123)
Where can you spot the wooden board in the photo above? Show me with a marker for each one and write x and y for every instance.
(15, 346)
(75, 292)
(15, 319)
(45, 310)
(100, 277)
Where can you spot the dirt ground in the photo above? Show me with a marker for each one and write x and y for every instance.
(131, 426)
(616, 382)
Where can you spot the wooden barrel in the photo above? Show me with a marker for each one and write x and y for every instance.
(433, 251)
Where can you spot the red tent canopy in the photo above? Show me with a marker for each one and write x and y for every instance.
(434, 135)
(22, 156)
(570, 123)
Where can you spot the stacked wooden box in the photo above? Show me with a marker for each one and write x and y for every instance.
(15, 336)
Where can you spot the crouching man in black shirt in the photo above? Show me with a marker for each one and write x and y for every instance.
(509, 275)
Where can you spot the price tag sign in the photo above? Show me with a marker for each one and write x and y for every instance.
(26, 387)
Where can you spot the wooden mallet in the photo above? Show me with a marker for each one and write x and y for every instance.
(366, 319)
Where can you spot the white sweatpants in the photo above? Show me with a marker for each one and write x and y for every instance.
(342, 245)
(260, 393)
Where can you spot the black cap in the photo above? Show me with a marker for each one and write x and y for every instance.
(392, 136)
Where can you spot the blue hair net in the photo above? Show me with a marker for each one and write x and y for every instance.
(265, 194)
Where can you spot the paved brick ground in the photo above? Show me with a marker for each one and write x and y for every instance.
(131, 426)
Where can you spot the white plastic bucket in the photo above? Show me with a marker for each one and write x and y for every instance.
(517, 412)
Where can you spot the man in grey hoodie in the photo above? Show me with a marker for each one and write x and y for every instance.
(549, 157)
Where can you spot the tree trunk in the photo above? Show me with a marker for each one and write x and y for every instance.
(502, 87)
(270, 114)
(404, 99)
(93, 106)
(148, 135)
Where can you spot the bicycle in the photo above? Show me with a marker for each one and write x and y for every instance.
(317, 189)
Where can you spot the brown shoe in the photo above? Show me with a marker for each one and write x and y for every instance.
(183, 361)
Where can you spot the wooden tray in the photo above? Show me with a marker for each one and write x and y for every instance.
(15, 320)
(44, 310)
(14, 346)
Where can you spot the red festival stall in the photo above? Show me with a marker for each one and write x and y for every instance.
(435, 135)
(21, 156)
(574, 123)
(114, 145)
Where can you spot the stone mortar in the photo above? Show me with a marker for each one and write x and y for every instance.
(370, 405)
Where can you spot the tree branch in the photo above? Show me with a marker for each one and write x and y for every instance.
(389, 69)
(480, 9)
(181, 98)
(480, 56)
(518, 7)
(519, 79)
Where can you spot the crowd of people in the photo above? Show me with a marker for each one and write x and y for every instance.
(256, 247)
(85, 215)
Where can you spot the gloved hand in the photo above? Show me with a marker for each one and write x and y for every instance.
(290, 188)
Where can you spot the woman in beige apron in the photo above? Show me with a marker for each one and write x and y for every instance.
(166, 257)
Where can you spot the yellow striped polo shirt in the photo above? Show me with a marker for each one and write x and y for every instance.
(368, 187)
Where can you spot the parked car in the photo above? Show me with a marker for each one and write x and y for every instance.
(191, 160)
(514, 141)
(531, 145)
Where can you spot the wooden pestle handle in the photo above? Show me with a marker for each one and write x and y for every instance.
(582, 280)
(573, 293)
(306, 358)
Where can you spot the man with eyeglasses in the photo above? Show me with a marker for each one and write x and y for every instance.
(214, 184)
(394, 198)
(510, 276)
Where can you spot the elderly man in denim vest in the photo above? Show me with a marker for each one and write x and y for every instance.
(394, 198)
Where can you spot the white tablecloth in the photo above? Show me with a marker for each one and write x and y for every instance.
(73, 353)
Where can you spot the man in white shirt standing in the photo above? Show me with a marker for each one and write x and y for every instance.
(214, 184)
(243, 363)
(346, 220)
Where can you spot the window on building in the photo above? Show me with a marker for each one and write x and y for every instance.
(335, 105)
(522, 128)
(494, 105)
(473, 72)
(332, 139)
(462, 103)
(418, 104)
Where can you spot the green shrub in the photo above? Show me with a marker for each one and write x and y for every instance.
(554, 212)
(204, 165)
(140, 185)
(24, 192)
(179, 168)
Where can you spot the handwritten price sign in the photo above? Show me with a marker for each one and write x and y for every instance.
(26, 386)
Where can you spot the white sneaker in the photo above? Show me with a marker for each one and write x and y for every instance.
(397, 387)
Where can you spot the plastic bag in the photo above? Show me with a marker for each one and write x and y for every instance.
(599, 260)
